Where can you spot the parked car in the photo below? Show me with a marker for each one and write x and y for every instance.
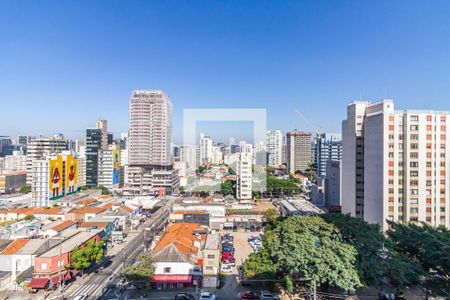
(267, 295)
(226, 268)
(184, 296)
(249, 295)
(207, 296)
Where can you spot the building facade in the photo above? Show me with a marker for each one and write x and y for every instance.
(149, 141)
(274, 148)
(326, 147)
(40, 147)
(298, 151)
(53, 177)
(395, 164)
(244, 173)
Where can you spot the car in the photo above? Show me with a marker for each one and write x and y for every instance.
(267, 295)
(80, 297)
(184, 296)
(249, 295)
(226, 268)
(207, 296)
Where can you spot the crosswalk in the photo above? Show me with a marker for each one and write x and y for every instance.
(91, 290)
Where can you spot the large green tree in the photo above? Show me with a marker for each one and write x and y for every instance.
(141, 273)
(25, 189)
(83, 257)
(282, 186)
(226, 188)
(309, 247)
(429, 246)
(271, 215)
(376, 258)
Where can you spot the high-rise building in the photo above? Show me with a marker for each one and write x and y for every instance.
(191, 156)
(109, 168)
(149, 141)
(274, 148)
(54, 176)
(333, 185)
(298, 151)
(93, 146)
(206, 149)
(326, 147)
(5, 143)
(40, 147)
(395, 164)
(102, 125)
(244, 173)
(15, 162)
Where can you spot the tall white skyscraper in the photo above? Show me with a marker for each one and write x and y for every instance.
(150, 129)
(206, 149)
(191, 156)
(274, 148)
(244, 173)
(149, 140)
(395, 164)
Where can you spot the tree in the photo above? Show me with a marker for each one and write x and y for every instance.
(311, 173)
(368, 241)
(282, 186)
(309, 247)
(140, 274)
(271, 215)
(181, 189)
(83, 257)
(226, 188)
(29, 217)
(104, 190)
(376, 258)
(259, 266)
(25, 189)
(430, 247)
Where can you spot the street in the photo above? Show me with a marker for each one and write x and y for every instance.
(102, 284)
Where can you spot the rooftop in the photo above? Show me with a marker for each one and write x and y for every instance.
(63, 225)
(70, 243)
(182, 236)
(14, 247)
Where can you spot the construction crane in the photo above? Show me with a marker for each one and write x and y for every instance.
(317, 129)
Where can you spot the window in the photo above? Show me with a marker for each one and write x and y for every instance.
(167, 269)
(414, 118)
(209, 268)
(414, 164)
(414, 127)
(211, 256)
(44, 266)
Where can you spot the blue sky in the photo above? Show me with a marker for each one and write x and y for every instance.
(63, 64)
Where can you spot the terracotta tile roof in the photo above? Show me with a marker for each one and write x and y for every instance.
(46, 211)
(90, 209)
(63, 225)
(91, 224)
(22, 210)
(182, 237)
(14, 247)
(108, 205)
(86, 201)
(126, 208)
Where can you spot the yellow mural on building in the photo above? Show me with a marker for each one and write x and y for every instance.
(71, 174)
(55, 178)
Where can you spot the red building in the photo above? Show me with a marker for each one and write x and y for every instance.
(50, 267)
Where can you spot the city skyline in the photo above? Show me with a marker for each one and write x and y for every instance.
(290, 56)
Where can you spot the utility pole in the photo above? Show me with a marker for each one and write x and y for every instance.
(59, 261)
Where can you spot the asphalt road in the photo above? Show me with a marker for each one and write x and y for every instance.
(103, 285)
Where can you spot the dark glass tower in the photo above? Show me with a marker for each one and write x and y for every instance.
(93, 146)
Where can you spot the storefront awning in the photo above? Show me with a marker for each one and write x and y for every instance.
(168, 278)
(38, 283)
